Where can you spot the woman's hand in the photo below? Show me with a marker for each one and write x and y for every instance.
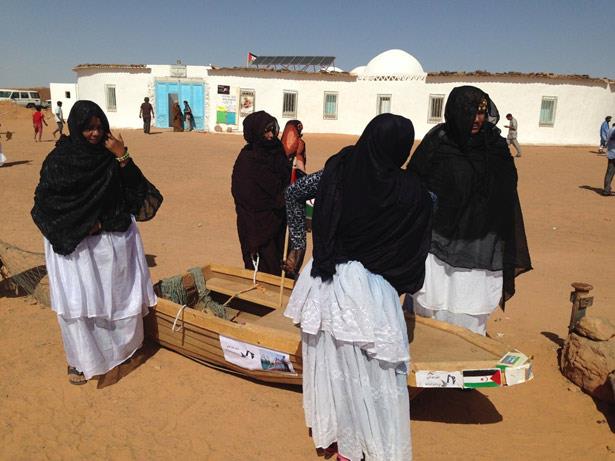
(115, 145)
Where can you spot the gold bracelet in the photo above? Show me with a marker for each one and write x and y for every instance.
(124, 157)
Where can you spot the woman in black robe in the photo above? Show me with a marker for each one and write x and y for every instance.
(478, 242)
(260, 176)
(87, 201)
(371, 235)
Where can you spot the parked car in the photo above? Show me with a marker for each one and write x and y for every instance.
(26, 98)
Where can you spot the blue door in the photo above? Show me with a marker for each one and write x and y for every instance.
(167, 93)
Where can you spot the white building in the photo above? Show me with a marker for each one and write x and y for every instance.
(550, 108)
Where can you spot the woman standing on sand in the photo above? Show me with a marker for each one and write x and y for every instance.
(478, 242)
(260, 175)
(38, 118)
(371, 235)
(87, 201)
(177, 119)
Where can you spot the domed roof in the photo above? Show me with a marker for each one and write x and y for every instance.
(359, 70)
(394, 63)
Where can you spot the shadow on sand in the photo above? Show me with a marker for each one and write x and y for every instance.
(454, 406)
(15, 163)
(597, 190)
(139, 358)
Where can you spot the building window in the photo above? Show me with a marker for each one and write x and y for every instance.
(547, 111)
(289, 107)
(330, 106)
(67, 94)
(384, 104)
(436, 105)
(111, 101)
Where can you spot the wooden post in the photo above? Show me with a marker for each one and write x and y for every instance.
(580, 300)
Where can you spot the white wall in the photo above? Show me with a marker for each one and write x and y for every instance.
(581, 104)
(59, 92)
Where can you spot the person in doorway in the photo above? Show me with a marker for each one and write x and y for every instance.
(610, 166)
(188, 119)
(511, 137)
(604, 131)
(371, 232)
(59, 116)
(177, 118)
(260, 175)
(38, 119)
(478, 243)
(86, 205)
(146, 112)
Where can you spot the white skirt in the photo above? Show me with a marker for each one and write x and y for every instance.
(101, 292)
(355, 363)
(464, 297)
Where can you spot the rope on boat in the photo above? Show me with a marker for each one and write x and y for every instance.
(179, 312)
(255, 264)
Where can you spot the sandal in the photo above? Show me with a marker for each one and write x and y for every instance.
(75, 376)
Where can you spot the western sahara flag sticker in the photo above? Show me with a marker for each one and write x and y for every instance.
(491, 377)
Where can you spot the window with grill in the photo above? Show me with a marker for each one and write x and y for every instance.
(67, 94)
(289, 106)
(436, 106)
(111, 100)
(547, 111)
(384, 104)
(330, 106)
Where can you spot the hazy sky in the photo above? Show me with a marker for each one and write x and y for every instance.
(41, 41)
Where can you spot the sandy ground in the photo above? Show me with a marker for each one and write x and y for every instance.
(170, 407)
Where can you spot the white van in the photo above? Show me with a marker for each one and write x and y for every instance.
(26, 98)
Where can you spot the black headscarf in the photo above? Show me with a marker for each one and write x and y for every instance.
(478, 222)
(260, 175)
(82, 184)
(369, 210)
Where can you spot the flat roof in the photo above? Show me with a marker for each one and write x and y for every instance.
(546, 75)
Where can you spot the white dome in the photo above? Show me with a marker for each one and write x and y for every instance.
(394, 63)
(360, 70)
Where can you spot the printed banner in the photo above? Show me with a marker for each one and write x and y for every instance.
(439, 379)
(246, 102)
(254, 357)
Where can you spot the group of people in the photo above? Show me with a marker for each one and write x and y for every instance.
(447, 232)
(180, 121)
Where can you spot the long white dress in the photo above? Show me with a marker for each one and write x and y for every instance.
(464, 297)
(355, 363)
(100, 293)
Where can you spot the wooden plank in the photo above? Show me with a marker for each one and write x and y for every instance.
(247, 275)
(259, 295)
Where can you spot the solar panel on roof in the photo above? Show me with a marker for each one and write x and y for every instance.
(287, 61)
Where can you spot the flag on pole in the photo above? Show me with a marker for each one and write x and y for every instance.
(251, 58)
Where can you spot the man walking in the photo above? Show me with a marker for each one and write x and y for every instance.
(146, 113)
(610, 166)
(604, 131)
(511, 138)
(59, 120)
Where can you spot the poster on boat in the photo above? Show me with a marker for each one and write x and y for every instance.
(253, 357)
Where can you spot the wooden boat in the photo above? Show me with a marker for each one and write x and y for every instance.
(257, 341)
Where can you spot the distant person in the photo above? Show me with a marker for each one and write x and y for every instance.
(90, 195)
(38, 118)
(59, 116)
(188, 119)
(260, 175)
(2, 156)
(294, 146)
(604, 131)
(610, 166)
(177, 120)
(478, 243)
(146, 113)
(511, 138)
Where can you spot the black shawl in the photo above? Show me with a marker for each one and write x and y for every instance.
(369, 210)
(477, 222)
(82, 184)
(260, 175)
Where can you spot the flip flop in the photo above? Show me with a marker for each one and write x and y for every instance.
(75, 376)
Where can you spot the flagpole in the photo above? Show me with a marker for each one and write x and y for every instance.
(286, 239)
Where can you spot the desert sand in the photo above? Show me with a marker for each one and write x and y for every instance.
(170, 407)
